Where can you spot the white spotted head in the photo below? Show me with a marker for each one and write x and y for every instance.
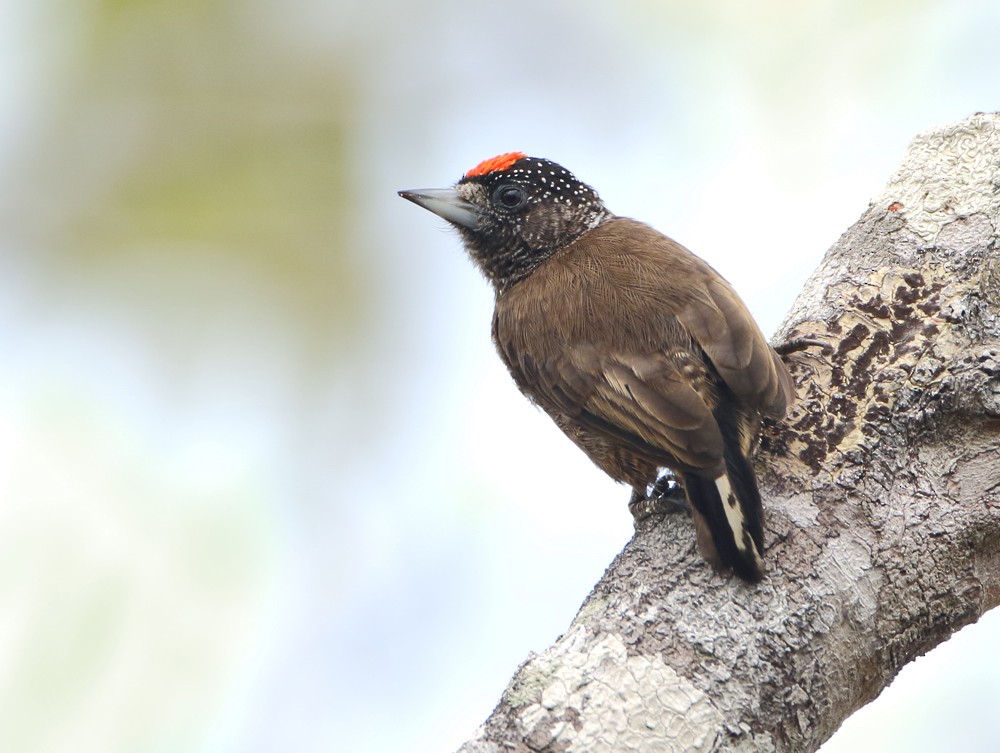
(514, 212)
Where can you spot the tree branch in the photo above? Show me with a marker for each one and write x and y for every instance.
(882, 491)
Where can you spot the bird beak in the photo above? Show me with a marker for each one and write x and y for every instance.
(446, 203)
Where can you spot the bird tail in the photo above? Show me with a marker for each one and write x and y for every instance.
(729, 516)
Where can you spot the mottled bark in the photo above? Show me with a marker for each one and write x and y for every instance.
(882, 491)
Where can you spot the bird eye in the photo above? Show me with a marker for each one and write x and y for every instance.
(510, 197)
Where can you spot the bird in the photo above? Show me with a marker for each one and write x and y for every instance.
(637, 349)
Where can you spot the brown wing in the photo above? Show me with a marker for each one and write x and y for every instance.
(648, 403)
(683, 288)
(610, 334)
(720, 323)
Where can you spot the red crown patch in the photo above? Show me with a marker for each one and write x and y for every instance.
(500, 162)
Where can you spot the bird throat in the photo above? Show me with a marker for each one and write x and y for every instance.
(506, 263)
(505, 268)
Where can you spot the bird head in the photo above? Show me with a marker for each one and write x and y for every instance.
(514, 212)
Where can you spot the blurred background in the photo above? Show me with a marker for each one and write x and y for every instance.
(263, 483)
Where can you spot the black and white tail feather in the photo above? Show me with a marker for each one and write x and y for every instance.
(731, 507)
(730, 504)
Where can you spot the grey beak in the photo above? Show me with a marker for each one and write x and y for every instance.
(446, 203)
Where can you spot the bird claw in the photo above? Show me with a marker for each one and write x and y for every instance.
(664, 498)
(802, 343)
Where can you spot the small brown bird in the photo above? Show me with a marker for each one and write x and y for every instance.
(637, 349)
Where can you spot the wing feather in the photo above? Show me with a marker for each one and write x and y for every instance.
(722, 326)
(613, 337)
(653, 407)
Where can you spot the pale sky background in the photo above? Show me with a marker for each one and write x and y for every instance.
(264, 486)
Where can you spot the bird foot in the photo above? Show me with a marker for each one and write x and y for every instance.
(801, 343)
(665, 497)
